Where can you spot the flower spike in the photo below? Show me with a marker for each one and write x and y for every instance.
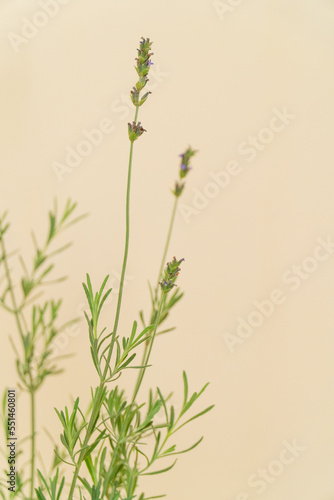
(170, 275)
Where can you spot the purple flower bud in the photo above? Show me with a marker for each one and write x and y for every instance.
(170, 275)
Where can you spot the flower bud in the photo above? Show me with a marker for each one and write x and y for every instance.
(141, 82)
(143, 67)
(170, 275)
(178, 189)
(134, 96)
(185, 160)
(135, 130)
(143, 99)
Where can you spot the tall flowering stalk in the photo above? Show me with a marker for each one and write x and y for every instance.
(184, 169)
(117, 432)
(114, 443)
(135, 130)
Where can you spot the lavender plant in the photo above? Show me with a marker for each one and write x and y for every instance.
(37, 324)
(117, 441)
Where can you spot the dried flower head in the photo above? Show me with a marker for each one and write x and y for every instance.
(135, 97)
(135, 130)
(185, 161)
(178, 188)
(170, 274)
(183, 171)
(143, 67)
(143, 60)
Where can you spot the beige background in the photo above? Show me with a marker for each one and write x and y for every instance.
(221, 70)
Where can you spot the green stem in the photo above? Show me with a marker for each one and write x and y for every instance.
(125, 257)
(149, 349)
(33, 431)
(95, 411)
(16, 311)
(99, 400)
(171, 224)
(110, 469)
(163, 262)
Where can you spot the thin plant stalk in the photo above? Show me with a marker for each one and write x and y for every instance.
(149, 348)
(99, 400)
(138, 384)
(17, 312)
(163, 263)
(167, 283)
(184, 169)
(170, 229)
(126, 250)
(168, 278)
(33, 432)
(25, 369)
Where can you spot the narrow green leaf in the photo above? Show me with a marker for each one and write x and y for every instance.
(46, 272)
(86, 484)
(164, 404)
(89, 284)
(159, 471)
(43, 481)
(151, 498)
(102, 461)
(61, 486)
(156, 446)
(171, 418)
(52, 229)
(90, 467)
(102, 287)
(185, 385)
(196, 416)
(133, 331)
(203, 389)
(141, 315)
(183, 451)
(169, 450)
(88, 298)
(40, 495)
(127, 362)
(104, 298)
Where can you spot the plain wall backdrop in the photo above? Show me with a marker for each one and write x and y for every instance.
(249, 84)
